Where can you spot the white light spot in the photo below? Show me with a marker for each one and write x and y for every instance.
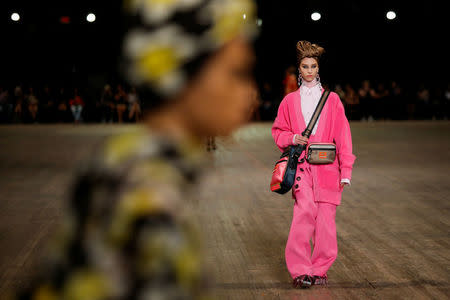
(15, 17)
(90, 18)
(259, 22)
(315, 16)
(244, 16)
(391, 15)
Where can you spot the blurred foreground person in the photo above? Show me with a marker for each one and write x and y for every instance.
(127, 234)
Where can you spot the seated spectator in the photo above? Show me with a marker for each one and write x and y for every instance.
(364, 100)
(341, 93)
(290, 81)
(447, 103)
(62, 106)
(423, 102)
(48, 105)
(121, 102)
(397, 102)
(381, 102)
(76, 105)
(33, 105)
(134, 106)
(107, 105)
(351, 102)
(6, 106)
(19, 100)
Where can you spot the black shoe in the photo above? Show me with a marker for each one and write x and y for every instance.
(302, 281)
(320, 280)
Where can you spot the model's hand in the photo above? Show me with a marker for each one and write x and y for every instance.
(300, 139)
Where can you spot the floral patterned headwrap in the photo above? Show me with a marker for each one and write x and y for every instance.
(168, 40)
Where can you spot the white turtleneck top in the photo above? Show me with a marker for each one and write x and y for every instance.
(310, 93)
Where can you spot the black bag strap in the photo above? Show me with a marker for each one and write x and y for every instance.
(316, 114)
(298, 149)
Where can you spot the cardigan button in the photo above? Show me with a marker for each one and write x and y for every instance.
(296, 186)
(298, 178)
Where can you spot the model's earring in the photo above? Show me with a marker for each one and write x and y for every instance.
(299, 81)
(318, 81)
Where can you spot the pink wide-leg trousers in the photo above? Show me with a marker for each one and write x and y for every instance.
(312, 220)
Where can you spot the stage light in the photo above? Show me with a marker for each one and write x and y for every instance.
(391, 15)
(315, 16)
(90, 18)
(244, 16)
(259, 22)
(15, 17)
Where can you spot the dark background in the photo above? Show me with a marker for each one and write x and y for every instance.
(360, 42)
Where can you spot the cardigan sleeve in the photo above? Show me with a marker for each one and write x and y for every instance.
(346, 180)
(281, 128)
(343, 139)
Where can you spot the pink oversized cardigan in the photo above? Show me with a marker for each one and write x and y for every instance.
(333, 127)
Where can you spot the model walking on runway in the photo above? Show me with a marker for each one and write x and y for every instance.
(318, 188)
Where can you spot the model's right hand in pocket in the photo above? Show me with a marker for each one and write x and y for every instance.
(300, 139)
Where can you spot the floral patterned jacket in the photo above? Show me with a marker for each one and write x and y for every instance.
(127, 233)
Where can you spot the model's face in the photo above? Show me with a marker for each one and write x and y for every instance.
(309, 68)
(219, 98)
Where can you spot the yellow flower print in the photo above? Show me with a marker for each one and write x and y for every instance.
(157, 57)
(229, 21)
(119, 148)
(142, 202)
(158, 11)
(45, 292)
(86, 284)
(157, 62)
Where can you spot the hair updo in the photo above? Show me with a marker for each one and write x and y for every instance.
(306, 49)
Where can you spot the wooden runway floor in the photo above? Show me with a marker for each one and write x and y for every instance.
(393, 225)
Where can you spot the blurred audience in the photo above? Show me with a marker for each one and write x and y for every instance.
(390, 100)
(290, 82)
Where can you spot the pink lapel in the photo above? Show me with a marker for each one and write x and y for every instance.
(301, 125)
